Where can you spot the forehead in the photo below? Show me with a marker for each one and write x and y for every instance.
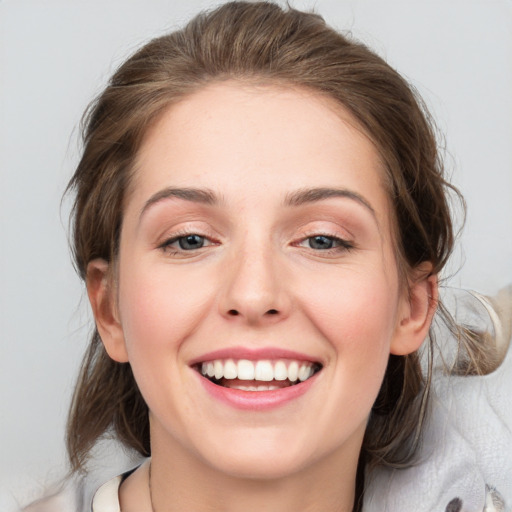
(248, 140)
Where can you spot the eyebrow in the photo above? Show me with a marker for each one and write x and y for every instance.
(297, 198)
(312, 195)
(195, 195)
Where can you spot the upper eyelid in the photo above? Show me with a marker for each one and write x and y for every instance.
(325, 224)
(170, 246)
(331, 233)
(344, 241)
(203, 230)
(344, 244)
(177, 236)
(167, 241)
(302, 232)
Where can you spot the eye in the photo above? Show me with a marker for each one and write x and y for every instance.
(325, 243)
(191, 242)
(187, 242)
(321, 242)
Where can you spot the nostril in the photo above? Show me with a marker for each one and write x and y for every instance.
(234, 312)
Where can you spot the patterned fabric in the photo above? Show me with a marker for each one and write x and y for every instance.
(493, 502)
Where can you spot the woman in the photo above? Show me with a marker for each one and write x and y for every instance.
(260, 219)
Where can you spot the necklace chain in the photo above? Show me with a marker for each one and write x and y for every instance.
(150, 489)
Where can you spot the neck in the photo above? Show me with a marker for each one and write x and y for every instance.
(181, 481)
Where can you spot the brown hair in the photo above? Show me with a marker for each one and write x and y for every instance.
(256, 41)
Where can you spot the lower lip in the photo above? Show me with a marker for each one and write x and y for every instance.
(257, 400)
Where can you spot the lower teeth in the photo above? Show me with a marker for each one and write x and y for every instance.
(254, 388)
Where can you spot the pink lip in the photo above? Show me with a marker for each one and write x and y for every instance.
(256, 400)
(252, 354)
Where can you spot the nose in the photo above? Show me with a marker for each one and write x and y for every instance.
(254, 289)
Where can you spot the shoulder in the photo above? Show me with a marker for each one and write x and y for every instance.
(73, 496)
(79, 494)
(465, 461)
(49, 504)
(64, 498)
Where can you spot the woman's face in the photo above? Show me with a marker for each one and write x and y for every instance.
(257, 247)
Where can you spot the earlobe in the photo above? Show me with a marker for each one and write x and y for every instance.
(103, 304)
(418, 311)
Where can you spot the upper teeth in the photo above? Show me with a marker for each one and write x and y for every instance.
(264, 370)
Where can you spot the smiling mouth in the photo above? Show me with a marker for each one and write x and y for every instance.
(261, 375)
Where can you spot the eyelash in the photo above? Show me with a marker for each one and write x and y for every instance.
(340, 244)
(167, 246)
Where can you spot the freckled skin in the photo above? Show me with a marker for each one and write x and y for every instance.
(253, 147)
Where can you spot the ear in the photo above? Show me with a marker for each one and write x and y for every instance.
(102, 298)
(416, 312)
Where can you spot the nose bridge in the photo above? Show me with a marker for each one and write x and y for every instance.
(253, 288)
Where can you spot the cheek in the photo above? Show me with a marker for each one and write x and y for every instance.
(160, 308)
(361, 311)
(159, 312)
(357, 319)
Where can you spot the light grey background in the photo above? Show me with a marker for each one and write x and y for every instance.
(56, 55)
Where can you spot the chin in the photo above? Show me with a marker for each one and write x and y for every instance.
(274, 467)
(260, 461)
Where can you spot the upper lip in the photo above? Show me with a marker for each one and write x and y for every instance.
(253, 354)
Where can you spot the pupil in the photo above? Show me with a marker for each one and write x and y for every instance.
(191, 242)
(320, 242)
